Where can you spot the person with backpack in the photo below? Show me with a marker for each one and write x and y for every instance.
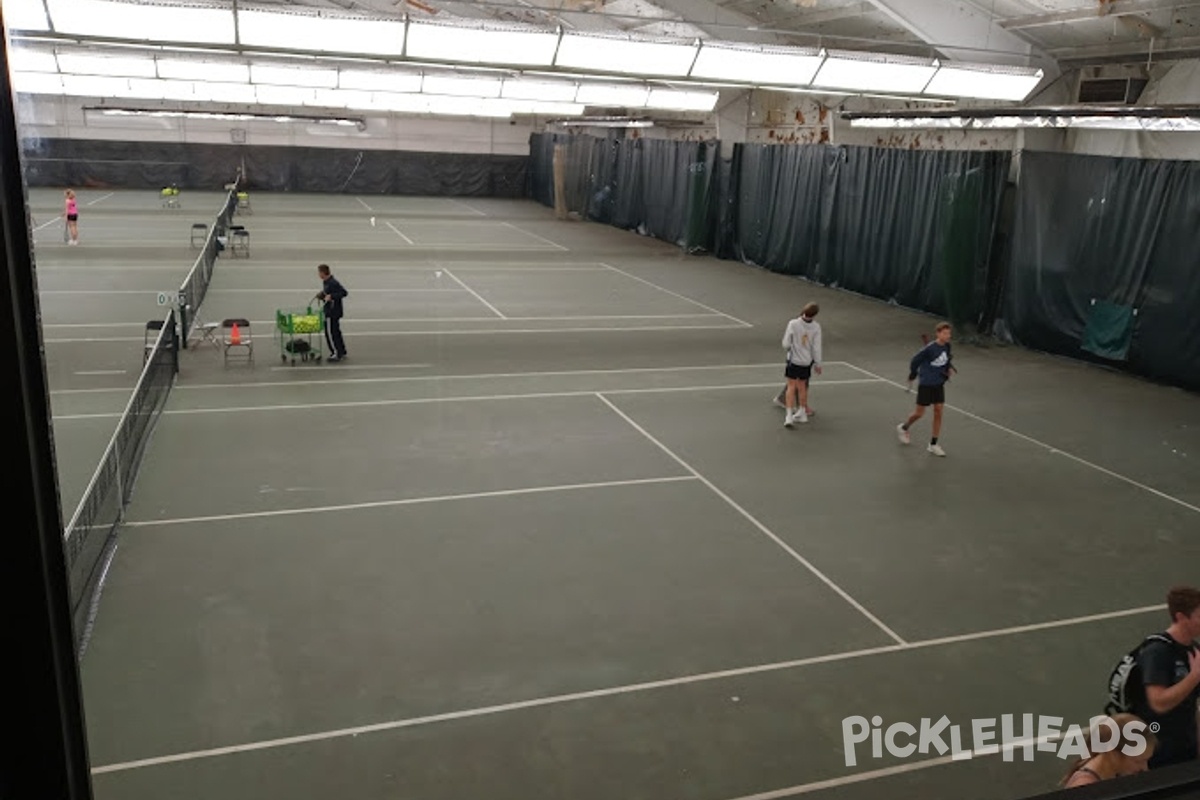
(1159, 681)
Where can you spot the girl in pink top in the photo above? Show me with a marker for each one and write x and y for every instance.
(72, 217)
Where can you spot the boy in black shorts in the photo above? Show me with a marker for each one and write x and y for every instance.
(932, 365)
(802, 341)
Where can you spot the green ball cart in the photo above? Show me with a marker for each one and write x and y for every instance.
(296, 329)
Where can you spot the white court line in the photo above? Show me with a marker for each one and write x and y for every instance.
(461, 266)
(470, 377)
(614, 691)
(1053, 450)
(47, 224)
(351, 329)
(442, 399)
(104, 372)
(475, 294)
(535, 236)
(100, 199)
(341, 368)
(743, 323)
(411, 501)
(468, 208)
(398, 233)
(434, 332)
(754, 521)
(364, 205)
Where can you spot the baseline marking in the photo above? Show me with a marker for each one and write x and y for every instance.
(754, 521)
(1053, 450)
(615, 691)
(743, 323)
(411, 501)
(473, 210)
(364, 205)
(464, 399)
(100, 199)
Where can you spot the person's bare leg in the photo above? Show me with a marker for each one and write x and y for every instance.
(916, 415)
(803, 389)
(937, 421)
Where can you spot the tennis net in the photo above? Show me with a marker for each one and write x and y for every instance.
(195, 285)
(89, 539)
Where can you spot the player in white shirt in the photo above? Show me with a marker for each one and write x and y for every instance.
(802, 341)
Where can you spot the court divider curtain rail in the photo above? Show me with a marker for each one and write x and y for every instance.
(191, 165)
(911, 227)
(658, 187)
(1094, 234)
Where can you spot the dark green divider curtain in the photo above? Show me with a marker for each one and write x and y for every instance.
(912, 227)
(657, 187)
(1097, 236)
(190, 165)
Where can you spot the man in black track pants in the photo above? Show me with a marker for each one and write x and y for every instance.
(332, 293)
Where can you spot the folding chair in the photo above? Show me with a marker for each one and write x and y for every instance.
(236, 333)
(243, 203)
(239, 241)
(199, 234)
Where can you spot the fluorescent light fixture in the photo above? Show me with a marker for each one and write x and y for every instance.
(220, 71)
(460, 86)
(606, 123)
(284, 95)
(125, 67)
(593, 94)
(553, 91)
(222, 115)
(517, 45)
(546, 108)
(24, 15)
(670, 100)
(142, 21)
(21, 59)
(791, 66)
(872, 72)
(309, 31)
(293, 76)
(342, 98)
(37, 83)
(379, 81)
(613, 53)
(95, 86)
(985, 83)
(226, 92)
(1132, 122)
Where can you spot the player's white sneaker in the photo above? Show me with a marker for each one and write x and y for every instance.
(778, 402)
(903, 434)
(789, 420)
(936, 449)
(801, 416)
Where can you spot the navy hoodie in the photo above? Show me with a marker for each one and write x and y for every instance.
(931, 364)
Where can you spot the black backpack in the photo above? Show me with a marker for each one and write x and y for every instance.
(1126, 692)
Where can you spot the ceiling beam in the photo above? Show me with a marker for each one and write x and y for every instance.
(810, 19)
(958, 30)
(1115, 8)
(1137, 51)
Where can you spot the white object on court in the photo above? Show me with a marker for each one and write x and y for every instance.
(372, 222)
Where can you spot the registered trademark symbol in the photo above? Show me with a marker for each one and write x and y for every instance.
(1155, 727)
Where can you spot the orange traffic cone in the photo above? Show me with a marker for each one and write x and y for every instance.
(236, 336)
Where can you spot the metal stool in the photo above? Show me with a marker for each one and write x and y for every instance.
(199, 234)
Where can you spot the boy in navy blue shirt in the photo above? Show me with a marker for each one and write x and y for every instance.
(332, 293)
(932, 365)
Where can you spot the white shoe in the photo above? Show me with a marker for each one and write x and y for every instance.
(936, 449)
(801, 417)
(789, 421)
(778, 402)
(904, 437)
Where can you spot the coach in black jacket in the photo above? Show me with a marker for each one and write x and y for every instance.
(332, 293)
